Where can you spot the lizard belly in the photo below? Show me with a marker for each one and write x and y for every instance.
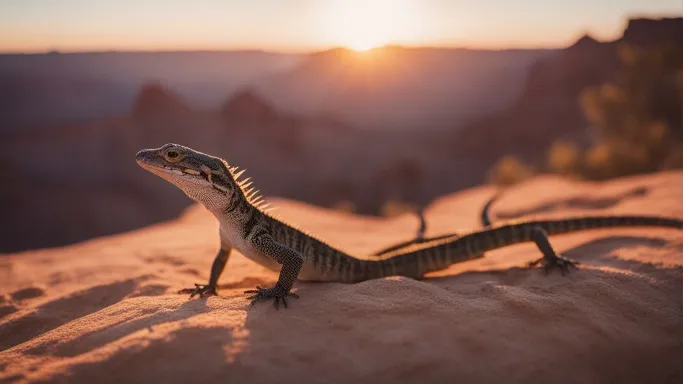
(307, 273)
(230, 239)
(257, 257)
(310, 273)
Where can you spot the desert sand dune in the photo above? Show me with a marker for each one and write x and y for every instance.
(106, 310)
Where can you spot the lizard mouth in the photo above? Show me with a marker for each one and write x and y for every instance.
(157, 167)
(150, 161)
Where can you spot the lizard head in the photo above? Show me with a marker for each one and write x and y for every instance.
(204, 178)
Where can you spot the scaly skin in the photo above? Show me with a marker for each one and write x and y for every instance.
(246, 225)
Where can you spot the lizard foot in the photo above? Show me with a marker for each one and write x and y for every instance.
(201, 290)
(556, 262)
(276, 293)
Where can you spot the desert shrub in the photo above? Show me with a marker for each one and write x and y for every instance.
(564, 157)
(392, 208)
(636, 123)
(344, 206)
(509, 170)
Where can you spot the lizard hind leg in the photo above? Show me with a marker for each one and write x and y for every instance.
(550, 259)
(419, 237)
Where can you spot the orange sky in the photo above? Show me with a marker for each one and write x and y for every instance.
(301, 25)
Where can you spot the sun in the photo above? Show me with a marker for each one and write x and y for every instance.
(362, 46)
(365, 24)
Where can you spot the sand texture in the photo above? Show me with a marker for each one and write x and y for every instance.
(106, 310)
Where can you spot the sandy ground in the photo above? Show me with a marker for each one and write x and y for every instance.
(106, 310)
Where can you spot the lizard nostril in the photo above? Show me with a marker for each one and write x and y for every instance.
(140, 155)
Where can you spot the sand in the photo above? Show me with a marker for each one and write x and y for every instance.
(106, 310)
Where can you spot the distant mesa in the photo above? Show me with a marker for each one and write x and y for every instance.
(335, 61)
(246, 112)
(333, 54)
(248, 105)
(648, 32)
(154, 100)
(331, 122)
(585, 48)
(586, 41)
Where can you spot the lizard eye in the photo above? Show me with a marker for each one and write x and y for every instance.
(172, 155)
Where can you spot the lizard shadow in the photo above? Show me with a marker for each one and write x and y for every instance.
(186, 354)
(606, 246)
(118, 330)
(249, 282)
(13, 378)
(57, 312)
(577, 202)
(7, 309)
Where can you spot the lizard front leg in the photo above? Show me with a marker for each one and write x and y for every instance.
(291, 262)
(216, 270)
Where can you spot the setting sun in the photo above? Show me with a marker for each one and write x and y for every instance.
(363, 25)
(362, 46)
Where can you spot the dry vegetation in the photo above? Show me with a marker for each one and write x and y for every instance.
(635, 123)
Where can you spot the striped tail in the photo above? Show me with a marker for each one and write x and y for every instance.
(439, 254)
(486, 210)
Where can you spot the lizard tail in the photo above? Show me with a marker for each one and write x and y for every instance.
(486, 210)
(556, 227)
(439, 254)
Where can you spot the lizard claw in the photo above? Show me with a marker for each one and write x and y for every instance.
(557, 262)
(276, 293)
(201, 290)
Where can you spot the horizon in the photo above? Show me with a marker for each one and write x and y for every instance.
(279, 52)
(305, 26)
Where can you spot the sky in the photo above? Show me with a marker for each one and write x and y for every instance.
(305, 25)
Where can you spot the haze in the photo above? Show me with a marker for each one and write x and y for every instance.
(304, 25)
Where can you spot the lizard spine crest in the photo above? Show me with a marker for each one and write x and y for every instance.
(250, 193)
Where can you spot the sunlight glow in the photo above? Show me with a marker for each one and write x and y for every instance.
(362, 46)
(363, 25)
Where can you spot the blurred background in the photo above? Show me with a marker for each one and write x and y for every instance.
(373, 106)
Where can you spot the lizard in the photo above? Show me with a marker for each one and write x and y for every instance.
(245, 224)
